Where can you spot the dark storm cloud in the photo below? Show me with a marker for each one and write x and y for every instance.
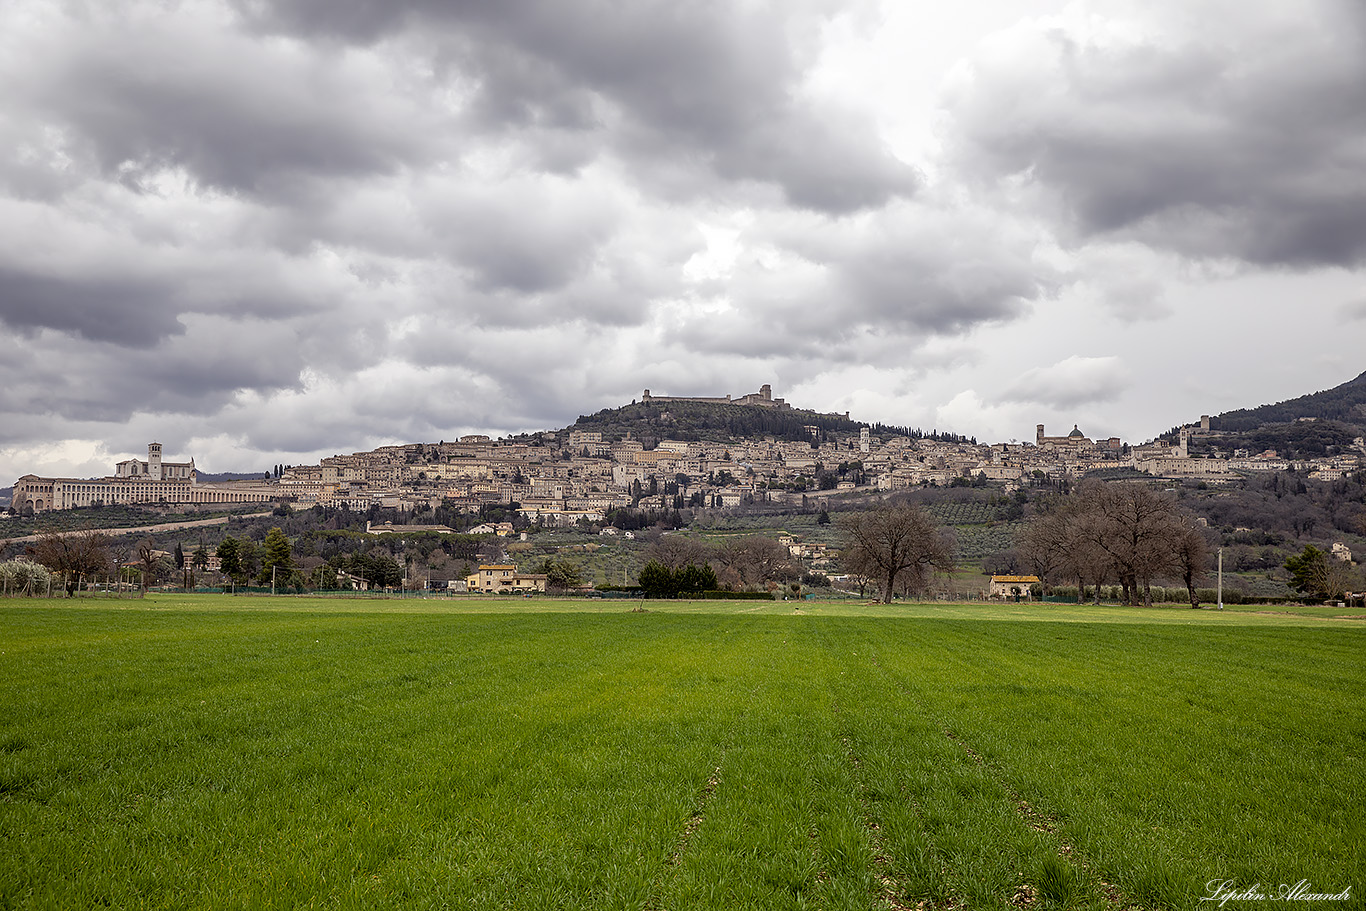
(140, 296)
(126, 312)
(527, 237)
(711, 85)
(1244, 144)
(232, 115)
(920, 268)
(197, 374)
(936, 290)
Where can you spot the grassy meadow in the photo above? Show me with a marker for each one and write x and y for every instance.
(206, 752)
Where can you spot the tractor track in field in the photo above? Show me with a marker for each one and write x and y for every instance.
(1027, 895)
(695, 819)
(654, 901)
(892, 889)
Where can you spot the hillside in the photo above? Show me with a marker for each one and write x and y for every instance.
(1320, 424)
(1345, 404)
(650, 422)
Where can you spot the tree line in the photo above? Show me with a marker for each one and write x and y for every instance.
(741, 563)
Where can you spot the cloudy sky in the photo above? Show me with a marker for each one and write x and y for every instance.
(266, 231)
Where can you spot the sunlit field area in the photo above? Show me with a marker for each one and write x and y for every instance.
(204, 752)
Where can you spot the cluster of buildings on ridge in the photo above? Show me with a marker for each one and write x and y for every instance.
(1168, 461)
(562, 477)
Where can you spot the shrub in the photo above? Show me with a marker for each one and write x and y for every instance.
(658, 581)
(19, 577)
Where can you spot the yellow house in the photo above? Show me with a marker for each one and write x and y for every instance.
(1012, 587)
(504, 577)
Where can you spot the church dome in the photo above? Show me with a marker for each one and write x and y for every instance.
(1076, 434)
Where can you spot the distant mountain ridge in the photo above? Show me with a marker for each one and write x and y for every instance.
(205, 477)
(1319, 424)
(1345, 403)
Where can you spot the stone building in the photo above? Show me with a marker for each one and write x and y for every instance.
(763, 398)
(153, 482)
(154, 468)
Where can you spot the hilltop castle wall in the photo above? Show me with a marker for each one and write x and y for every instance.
(763, 398)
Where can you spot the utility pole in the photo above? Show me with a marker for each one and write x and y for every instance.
(272, 580)
(1221, 578)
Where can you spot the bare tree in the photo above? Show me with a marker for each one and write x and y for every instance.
(677, 551)
(1334, 578)
(75, 555)
(894, 543)
(1190, 553)
(1127, 532)
(149, 561)
(1087, 560)
(754, 561)
(1046, 543)
(1132, 525)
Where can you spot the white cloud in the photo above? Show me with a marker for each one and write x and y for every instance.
(1075, 381)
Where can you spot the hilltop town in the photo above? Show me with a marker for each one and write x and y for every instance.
(559, 478)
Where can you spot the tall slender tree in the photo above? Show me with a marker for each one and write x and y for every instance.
(277, 557)
(229, 555)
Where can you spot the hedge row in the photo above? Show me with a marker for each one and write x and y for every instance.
(1160, 595)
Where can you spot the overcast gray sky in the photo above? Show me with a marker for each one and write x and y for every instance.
(266, 231)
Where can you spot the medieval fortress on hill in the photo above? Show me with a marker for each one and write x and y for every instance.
(562, 477)
(763, 398)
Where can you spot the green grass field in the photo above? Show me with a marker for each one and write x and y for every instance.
(206, 752)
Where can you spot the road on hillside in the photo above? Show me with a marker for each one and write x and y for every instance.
(144, 529)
